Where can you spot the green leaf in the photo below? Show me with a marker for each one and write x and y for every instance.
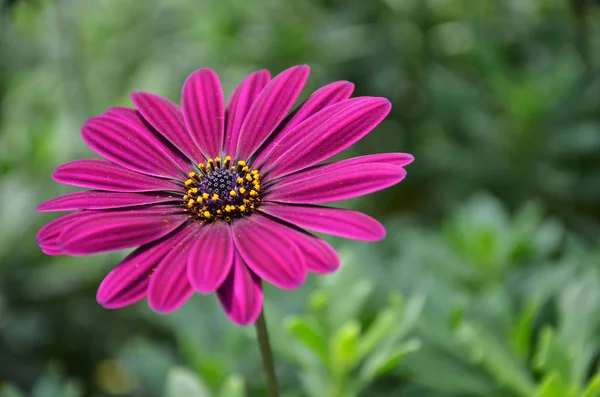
(233, 387)
(552, 357)
(384, 361)
(521, 331)
(553, 386)
(343, 348)
(183, 382)
(490, 354)
(309, 334)
(412, 313)
(593, 387)
(381, 327)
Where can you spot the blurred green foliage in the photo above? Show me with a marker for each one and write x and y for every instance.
(488, 284)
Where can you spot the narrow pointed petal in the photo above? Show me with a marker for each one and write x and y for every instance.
(104, 175)
(325, 96)
(211, 258)
(169, 287)
(313, 187)
(326, 134)
(268, 249)
(167, 118)
(203, 111)
(128, 282)
(113, 230)
(241, 294)
(241, 101)
(271, 106)
(338, 222)
(320, 99)
(321, 258)
(396, 159)
(100, 200)
(122, 136)
(47, 236)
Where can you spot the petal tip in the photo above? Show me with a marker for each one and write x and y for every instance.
(380, 235)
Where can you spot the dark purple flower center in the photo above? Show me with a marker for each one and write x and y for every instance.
(222, 190)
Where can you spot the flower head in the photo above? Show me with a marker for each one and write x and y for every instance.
(217, 199)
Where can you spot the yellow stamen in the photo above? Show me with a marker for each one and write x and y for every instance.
(215, 196)
(240, 180)
(192, 174)
(188, 182)
(242, 190)
(232, 193)
(205, 196)
(206, 214)
(241, 163)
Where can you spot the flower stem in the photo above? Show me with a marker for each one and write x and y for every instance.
(267, 355)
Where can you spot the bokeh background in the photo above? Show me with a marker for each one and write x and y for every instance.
(488, 284)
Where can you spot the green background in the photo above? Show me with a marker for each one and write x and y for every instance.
(488, 284)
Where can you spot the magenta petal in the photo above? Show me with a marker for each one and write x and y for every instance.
(325, 135)
(338, 222)
(113, 230)
(396, 159)
(320, 257)
(325, 96)
(128, 282)
(122, 136)
(271, 106)
(268, 248)
(47, 236)
(320, 99)
(169, 287)
(239, 104)
(99, 200)
(241, 294)
(321, 185)
(202, 104)
(167, 118)
(211, 258)
(104, 175)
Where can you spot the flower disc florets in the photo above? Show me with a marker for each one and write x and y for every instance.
(222, 190)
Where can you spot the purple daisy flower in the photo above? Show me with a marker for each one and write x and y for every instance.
(217, 198)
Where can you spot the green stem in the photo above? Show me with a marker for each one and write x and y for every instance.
(267, 355)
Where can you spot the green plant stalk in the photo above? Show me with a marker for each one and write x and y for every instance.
(267, 355)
